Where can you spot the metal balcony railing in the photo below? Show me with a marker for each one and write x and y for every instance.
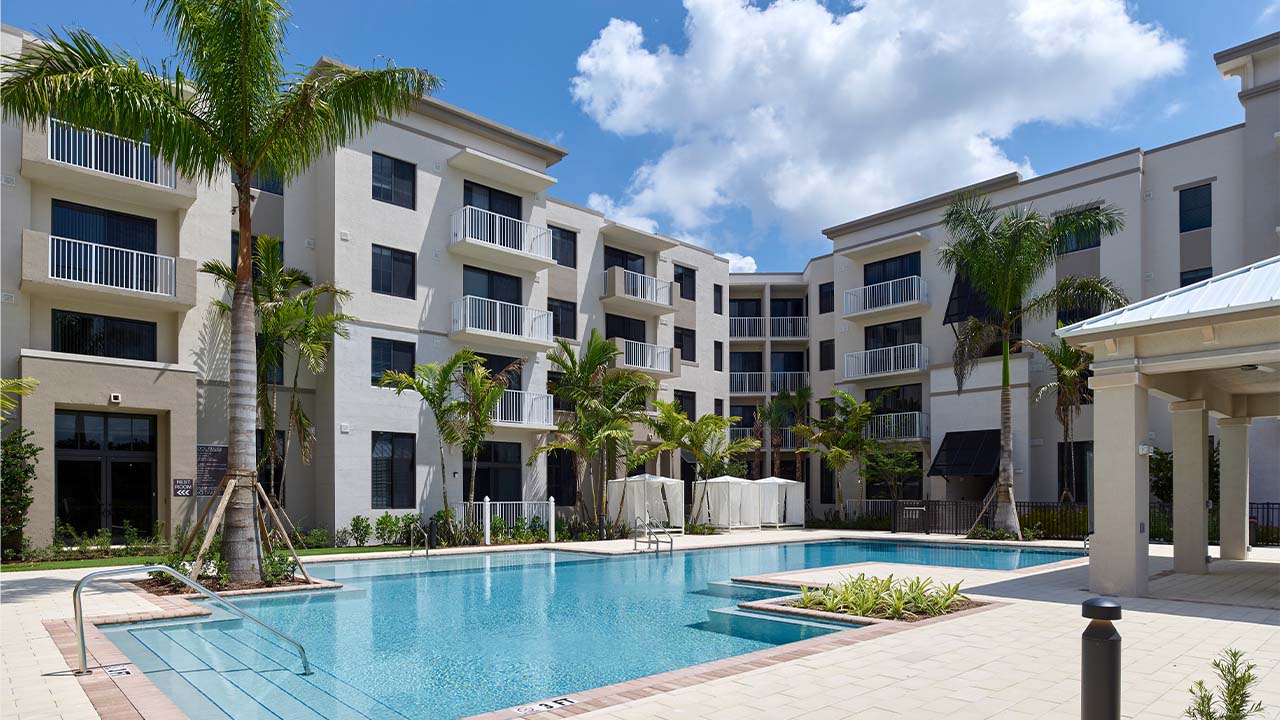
(95, 264)
(789, 381)
(902, 291)
(473, 223)
(883, 361)
(746, 327)
(479, 314)
(746, 382)
(788, 327)
(522, 407)
(643, 287)
(897, 426)
(108, 153)
(644, 356)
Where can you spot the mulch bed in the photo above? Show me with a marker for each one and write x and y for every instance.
(172, 587)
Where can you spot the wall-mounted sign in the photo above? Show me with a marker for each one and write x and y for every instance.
(182, 487)
(211, 465)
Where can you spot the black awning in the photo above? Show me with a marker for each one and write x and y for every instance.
(965, 302)
(974, 453)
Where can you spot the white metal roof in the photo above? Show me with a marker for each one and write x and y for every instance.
(1248, 288)
(775, 480)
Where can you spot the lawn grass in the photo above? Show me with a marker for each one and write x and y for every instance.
(159, 559)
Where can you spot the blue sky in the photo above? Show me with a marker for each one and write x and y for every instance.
(805, 122)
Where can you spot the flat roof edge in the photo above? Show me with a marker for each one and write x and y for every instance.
(1247, 48)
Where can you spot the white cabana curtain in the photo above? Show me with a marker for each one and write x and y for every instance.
(651, 497)
(781, 502)
(730, 502)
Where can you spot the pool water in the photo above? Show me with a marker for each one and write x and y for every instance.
(457, 635)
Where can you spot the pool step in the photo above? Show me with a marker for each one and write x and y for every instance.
(762, 627)
(743, 592)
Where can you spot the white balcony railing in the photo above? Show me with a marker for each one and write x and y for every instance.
(746, 327)
(789, 381)
(95, 264)
(787, 440)
(643, 287)
(478, 314)
(108, 153)
(746, 382)
(899, 358)
(473, 223)
(789, 327)
(898, 426)
(644, 356)
(741, 433)
(522, 407)
(902, 291)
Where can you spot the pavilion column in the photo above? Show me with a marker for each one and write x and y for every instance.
(1233, 503)
(1121, 502)
(1190, 486)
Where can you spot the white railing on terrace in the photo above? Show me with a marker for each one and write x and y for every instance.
(644, 287)
(95, 264)
(789, 327)
(868, 508)
(473, 223)
(746, 382)
(486, 514)
(897, 426)
(108, 153)
(902, 291)
(789, 381)
(741, 433)
(746, 327)
(899, 358)
(644, 356)
(472, 313)
(787, 440)
(522, 407)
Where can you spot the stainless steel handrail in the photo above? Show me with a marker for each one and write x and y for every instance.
(651, 537)
(75, 602)
(413, 540)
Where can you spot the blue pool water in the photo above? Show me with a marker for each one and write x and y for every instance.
(458, 635)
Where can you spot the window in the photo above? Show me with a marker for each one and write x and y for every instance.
(394, 181)
(253, 250)
(624, 327)
(564, 246)
(391, 470)
(614, 257)
(827, 485)
(557, 402)
(499, 472)
(826, 408)
(493, 200)
(394, 355)
(741, 362)
(103, 227)
(827, 355)
(85, 334)
(1195, 208)
(270, 367)
(1076, 241)
(745, 307)
(562, 478)
(826, 297)
(687, 401)
(902, 332)
(719, 350)
(893, 268)
(720, 407)
(786, 307)
(746, 412)
(686, 342)
(717, 298)
(787, 361)
(393, 272)
(513, 367)
(896, 399)
(264, 180)
(1191, 277)
(564, 318)
(688, 279)
(491, 284)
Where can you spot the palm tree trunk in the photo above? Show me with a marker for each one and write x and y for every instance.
(1006, 514)
(238, 544)
(775, 451)
(471, 491)
(444, 482)
(839, 482)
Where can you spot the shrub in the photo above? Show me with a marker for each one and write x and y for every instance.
(697, 529)
(278, 567)
(342, 538)
(1233, 696)
(867, 596)
(1029, 533)
(18, 463)
(387, 529)
(360, 530)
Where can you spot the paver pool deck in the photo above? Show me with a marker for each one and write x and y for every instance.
(1018, 659)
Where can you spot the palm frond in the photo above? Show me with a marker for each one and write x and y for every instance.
(973, 338)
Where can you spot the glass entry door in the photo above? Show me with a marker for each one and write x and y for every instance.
(105, 472)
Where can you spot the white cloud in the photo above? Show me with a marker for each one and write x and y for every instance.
(1270, 12)
(804, 118)
(740, 263)
(1174, 108)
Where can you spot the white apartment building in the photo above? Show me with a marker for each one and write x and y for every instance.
(1194, 208)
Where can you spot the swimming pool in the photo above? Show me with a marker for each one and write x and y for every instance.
(457, 635)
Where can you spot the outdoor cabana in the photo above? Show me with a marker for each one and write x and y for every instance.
(729, 503)
(1210, 349)
(781, 502)
(652, 498)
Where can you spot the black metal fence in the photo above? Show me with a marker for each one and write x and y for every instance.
(1051, 520)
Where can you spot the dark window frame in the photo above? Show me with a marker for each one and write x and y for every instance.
(564, 246)
(396, 350)
(717, 299)
(107, 220)
(388, 181)
(718, 346)
(686, 341)
(403, 471)
(688, 402)
(826, 298)
(1195, 208)
(890, 269)
(393, 256)
(826, 355)
(103, 326)
(1193, 276)
(563, 312)
(687, 278)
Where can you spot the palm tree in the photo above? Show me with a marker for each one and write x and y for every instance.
(224, 102)
(10, 390)
(434, 384)
(481, 390)
(707, 440)
(776, 416)
(796, 405)
(1070, 388)
(839, 438)
(1003, 256)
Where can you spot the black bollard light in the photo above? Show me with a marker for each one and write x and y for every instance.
(1100, 661)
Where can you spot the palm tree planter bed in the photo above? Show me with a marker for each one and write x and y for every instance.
(786, 606)
(168, 589)
(869, 598)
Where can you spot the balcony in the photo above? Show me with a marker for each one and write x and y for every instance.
(898, 426)
(788, 327)
(788, 381)
(522, 408)
(741, 433)
(746, 383)
(895, 360)
(103, 164)
(500, 324)
(787, 440)
(490, 237)
(635, 293)
(901, 293)
(102, 272)
(654, 360)
(746, 327)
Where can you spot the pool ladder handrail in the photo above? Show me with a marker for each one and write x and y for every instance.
(415, 530)
(654, 535)
(79, 612)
